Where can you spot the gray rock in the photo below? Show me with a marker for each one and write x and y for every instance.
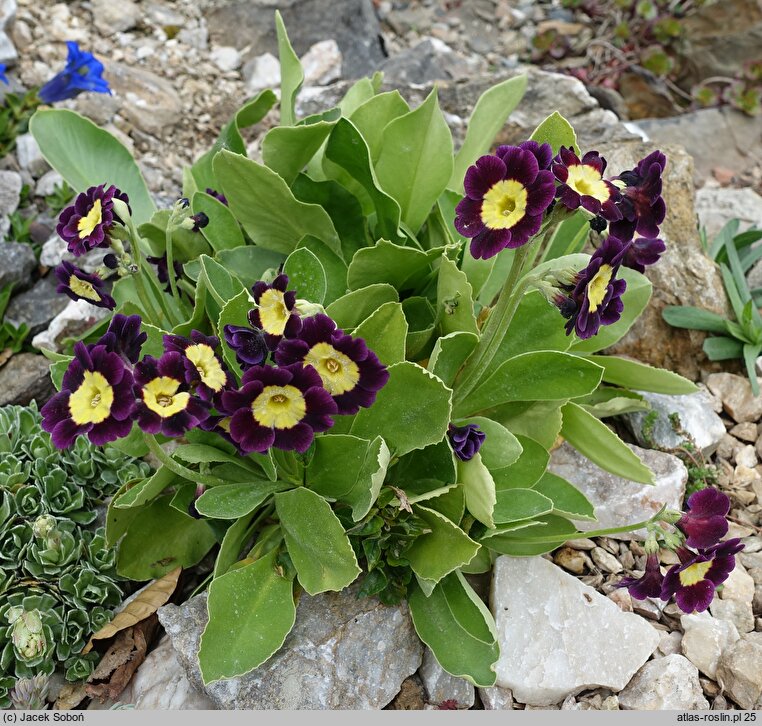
(7, 13)
(343, 652)
(29, 155)
(716, 206)
(739, 585)
(739, 673)
(496, 698)
(111, 17)
(322, 63)
(705, 639)
(10, 191)
(76, 318)
(24, 378)
(352, 24)
(736, 395)
(37, 306)
(18, 264)
(696, 416)
(734, 611)
(261, 72)
(619, 501)
(558, 637)
(47, 183)
(429, 60)
(441, 686)
(669, 683)
(8, 53)
(226, 58)
(55, 251)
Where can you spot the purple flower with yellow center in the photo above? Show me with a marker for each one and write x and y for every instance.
(542, 152)
(85, 224)
(95, 399)
(248, 344)
(704, 523)
(80, 285)
(275, 313)
(124, 337)
(693, 582)
(349, 370)
(203, 368)
(83, 72)
(649, 584)
(282, 407)
(643, 252)
(582, 184)
(165, 404)
(465, 440)
(506, 196)
(642, 208)
(595, 298)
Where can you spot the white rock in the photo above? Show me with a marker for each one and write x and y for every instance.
(739, 673)
(55, 251)
(29, 155)
(619, 501)
(10, 191)
(74, 319)
(734, 611)
(739, 585)
(705, 639)
(496, 698)
(441, 686)
(262, 72)
(47, 183)
(716, 206)
(736, 395)
(8, 53)
(115, 17)
(558, 637)
(322, 63)
(670, 643)
(669, 683)
(225, 57)
(7, 13)
(746, 456)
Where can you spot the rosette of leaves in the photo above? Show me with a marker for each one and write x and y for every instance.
(357, 206)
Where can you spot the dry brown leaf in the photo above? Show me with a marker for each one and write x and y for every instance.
(71, 695)
(141, 607)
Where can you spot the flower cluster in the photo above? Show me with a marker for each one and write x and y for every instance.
(315, 371)
(701, 570)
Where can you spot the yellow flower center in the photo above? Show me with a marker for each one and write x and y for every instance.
(587, 181)
(504, 204)
(86, 226)
(161, 396)
(91, 402)
(596, 288)
(83, 289)
(273, 312)
(207, 364)
(694, 574)
(279, 407)
(338, 372)
(224, 424)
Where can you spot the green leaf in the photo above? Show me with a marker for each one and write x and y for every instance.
(556, 131)
(85, 155)
(316, 541)
(354, 307)
(719, 348)
(519, 542)
(415, 162)
(455, 304)
(287, 149)
(449, 354)
(335, 463)
(232, 542)
(249, 263)
(223, 231)
(567, 499)
(266, 207)
(230, 501)
(385, 332)
(386, 262)
(479, 487)
(419, 314)
(526, 471)
(601, 445)
(144, 490)
(206, 454)
(220, 285)
(251, 611)
(160, 539)
(501, 448)
(536, 325)
(516, 504)
(372, 117)
(569, 237)
(539, 420)
(411, 411)
(291, 73)
(370, 479)
(631, 374)
(306, 275)
(234, 312)
(334, 267)
(488, 117)
(458, 628)
(685, 316)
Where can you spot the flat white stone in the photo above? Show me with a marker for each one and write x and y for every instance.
(322, 63)
(705, 639)
(441, 686)
(558, 637)
(669, 683)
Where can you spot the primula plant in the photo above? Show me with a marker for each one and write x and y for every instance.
(362, 349)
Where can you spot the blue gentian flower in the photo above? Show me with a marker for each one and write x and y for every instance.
(3, 77)
(83, 72)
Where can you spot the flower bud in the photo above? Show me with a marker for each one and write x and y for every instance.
(43, 526)
(307, 309)
(122, 210)
(28, 637)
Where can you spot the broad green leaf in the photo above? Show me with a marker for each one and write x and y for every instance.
(642, 377)
(160, 539)
(567, 499)
(539, 420)
(251, 611)
(306, 275)
(515, 505)
(287, 149)
(613, 402)
(455, 304)
(601, 445)
(334, 267)
(480, 564)
(386, 262)
(449, 354)
(536, 325)
(335, 464)
(569, 237)
(442, 550)
(354, 307)
(451, 503)
(144, 490)
(358, 93)
(220, 284)
(458, 628)
(411, 411)
(372, 117)
(266, 207)
(230, 501)
(85, 156)
(479, 488)
(232, 542)
(718, 348)
(235, 312)
(370, 479)
(198, 453)
(685, 316)
(415, 162)
(526, 471)
(223, 231)
(520, 542)
(420, 317)
(488, 117)
(384, 332)
(316, 541)
(414, 471)
(291, 73)
(501, 448)
(556, 131)
(249, 263)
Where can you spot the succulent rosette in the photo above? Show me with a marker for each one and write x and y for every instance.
(81, 285)
(465, 440)
(248, 344)
(642, 208)
(204, 370)
(506, 196)
(349, 370)
(86, 224)
(124, 337)
(581, 184)
(282, 407)
(644, 252)
(704, 523)
(95, 399)
(276, 313)
(165, 403)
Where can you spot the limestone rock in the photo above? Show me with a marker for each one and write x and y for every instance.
(25, 377)
(736, 395)
(696, 417)
(10, 191)
(620, 501)
(739, 585)
(734, 611)
(669, 683)
(55, 251)
(37, 306)
(262, 72)
(441, 686)
(343, 653)
(496, 698)
(705, 639)
(29, 155)
(226, 58)
(18, 264)
(558, 637)
(716, 206)
(429, 60)
(739, 673)
(111, 17)
(322, 63)
(75, 318)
